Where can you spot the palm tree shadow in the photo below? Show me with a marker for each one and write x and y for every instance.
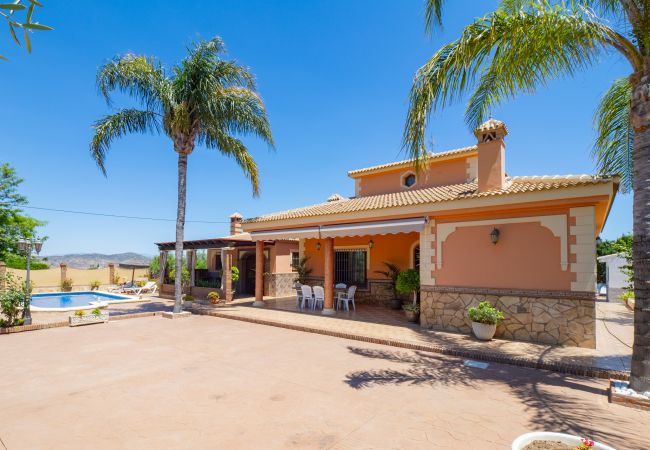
(544, 394)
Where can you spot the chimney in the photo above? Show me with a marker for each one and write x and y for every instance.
(235, 223)
(491, 155)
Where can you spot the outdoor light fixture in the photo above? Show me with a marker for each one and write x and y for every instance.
(317, 245)
(27, 247)
(599, 240)
(494, 235)
(371, 244)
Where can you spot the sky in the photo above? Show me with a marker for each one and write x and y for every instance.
(334, 74)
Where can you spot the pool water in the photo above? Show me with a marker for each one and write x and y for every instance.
(72, 299)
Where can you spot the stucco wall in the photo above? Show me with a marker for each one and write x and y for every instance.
(396, 248)
(49, 280)
(438, 174)
(281, 256)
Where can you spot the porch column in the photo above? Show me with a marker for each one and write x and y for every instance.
(191, 262)
(259, 273)
(328, 308)
(162, 262)
(226, 273)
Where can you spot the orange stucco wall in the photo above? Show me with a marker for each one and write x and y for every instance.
(395, 248)
(281, 256)
(438, 174)
(527, 256)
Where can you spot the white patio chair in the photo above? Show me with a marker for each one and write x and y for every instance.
(346, 298)
(150, 288)
(299, 297)
(319, 297)
(307, 296)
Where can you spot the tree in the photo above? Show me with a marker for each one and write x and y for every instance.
(205, 100)
(13, 225)
(11, 11)
(522, 45)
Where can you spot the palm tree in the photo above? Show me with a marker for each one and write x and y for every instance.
(204, 100)
(522, 45)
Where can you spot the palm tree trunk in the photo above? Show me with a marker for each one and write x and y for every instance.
(180, 228)
(640, 118)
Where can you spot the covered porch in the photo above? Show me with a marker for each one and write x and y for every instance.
(352, 255)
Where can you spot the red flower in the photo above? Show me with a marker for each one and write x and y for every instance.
(587, 442)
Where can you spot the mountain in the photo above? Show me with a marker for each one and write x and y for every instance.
(87, 260)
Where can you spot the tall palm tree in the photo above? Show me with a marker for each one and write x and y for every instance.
(522, 45)
(204, 100)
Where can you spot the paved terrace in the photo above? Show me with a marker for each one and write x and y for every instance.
(385, 326)
(205, 382)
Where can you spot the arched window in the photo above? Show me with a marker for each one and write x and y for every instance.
(416, 257)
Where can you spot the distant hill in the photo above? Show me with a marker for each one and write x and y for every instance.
(87, 260)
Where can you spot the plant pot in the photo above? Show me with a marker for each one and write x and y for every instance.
(568, 439)
(412, 316)
(483, 331)
(396, 303)
(88, 319)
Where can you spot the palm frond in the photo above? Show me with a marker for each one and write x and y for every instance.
(500, 55)
(229, 73)
(220, 140)
(612, 148)
(138, 76)
(113, 126)
(432, 14)
(242, 111)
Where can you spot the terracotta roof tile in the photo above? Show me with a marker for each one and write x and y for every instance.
(407, 162)
(514, 185)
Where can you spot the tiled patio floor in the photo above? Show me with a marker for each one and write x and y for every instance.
(382, 325)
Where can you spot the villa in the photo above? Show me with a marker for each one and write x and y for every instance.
(525, 243)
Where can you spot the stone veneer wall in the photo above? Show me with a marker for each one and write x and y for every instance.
(548, 317)
(279, 284)
(378, 292)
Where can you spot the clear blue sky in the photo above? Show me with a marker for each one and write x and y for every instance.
(335, 77)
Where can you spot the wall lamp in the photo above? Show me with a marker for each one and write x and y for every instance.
(371, 243)
(494, 235)
(318, 245)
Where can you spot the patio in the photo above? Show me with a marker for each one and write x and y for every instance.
(204, 382)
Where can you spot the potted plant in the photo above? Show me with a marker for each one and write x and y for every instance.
(234, 273)
(544, 439)
(81, 318)
(408, 282)
(485, 318)
(302, 270)
(392, 272)
(94, 285)
(213, 297)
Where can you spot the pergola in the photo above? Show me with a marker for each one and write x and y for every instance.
(132, 267)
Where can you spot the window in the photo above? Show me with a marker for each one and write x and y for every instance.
(295, 260)
(416, 258)
(408, 180)
(350, 267)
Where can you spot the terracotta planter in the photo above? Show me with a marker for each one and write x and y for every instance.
(483, 331)
(412, 316)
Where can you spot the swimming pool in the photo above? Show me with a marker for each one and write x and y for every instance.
(66, 301)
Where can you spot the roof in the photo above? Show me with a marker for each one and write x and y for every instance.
(234, 240)
(491, 125)
(514, 185)
(458, 152)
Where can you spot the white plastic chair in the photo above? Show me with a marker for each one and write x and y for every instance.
(347, 297)
(299, 297)
(319, 297)
(307, 296)
(151, 287)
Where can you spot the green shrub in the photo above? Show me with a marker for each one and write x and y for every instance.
(66, 285)
(188, 298)
(14, 261)
(12, 300)
(213, 296)
(80, 313)
(485, 313)
(94, 285)
(235, 274)
(411, 307)
(408, 281)
(96, 311)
